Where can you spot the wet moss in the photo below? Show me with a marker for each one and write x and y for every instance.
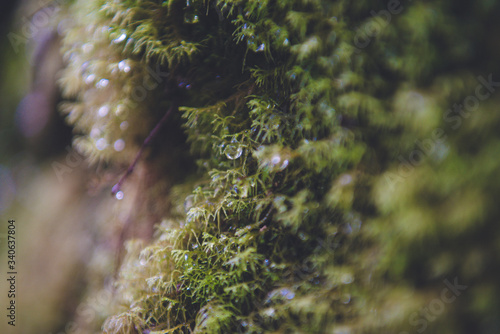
(335, 192)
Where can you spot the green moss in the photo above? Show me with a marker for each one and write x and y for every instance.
(301, 219)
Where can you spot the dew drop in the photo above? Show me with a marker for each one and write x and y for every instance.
(287, 294)
(103, 111)
(191, 18)
(286, 42)
(143, 262)
(345, 179)
(119, 145)
(269, 312)
(186, 257)
(102, 83)
(233, 152)
(114, 70)
(275, 159)
(261, 47)
(105, 29)
(120, 109)
(90, 79)
(346, 298)
(101, 144)
(87, 47)
(120, 38)
(124, 125)
(284, 164)
(95, 132)
(124, 66)
(119, 196)
(440, 152)
(347, 278)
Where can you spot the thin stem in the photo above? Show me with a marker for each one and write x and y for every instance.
(149, 138)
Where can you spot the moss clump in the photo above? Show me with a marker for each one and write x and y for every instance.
(294, 126)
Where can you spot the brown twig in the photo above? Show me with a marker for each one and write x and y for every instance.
(149, 138)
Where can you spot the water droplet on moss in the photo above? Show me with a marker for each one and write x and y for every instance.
(95, 132)
(346, 298)
(101, 144)
(103, 111)
(102, 83)
(284, 164)
(124, 125)
(120, 109)
(190, 18)
(261, 47)
(346, 278)
(345, 179)
(279, 203)
(105, 29)
(269, 312)
(186, 257)
(189, 14)
(120, 38)
(87, 47)
(119, 145)
(124, 66)
(347, 229)
(119, 195)
(90, 79)
(233, 152)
